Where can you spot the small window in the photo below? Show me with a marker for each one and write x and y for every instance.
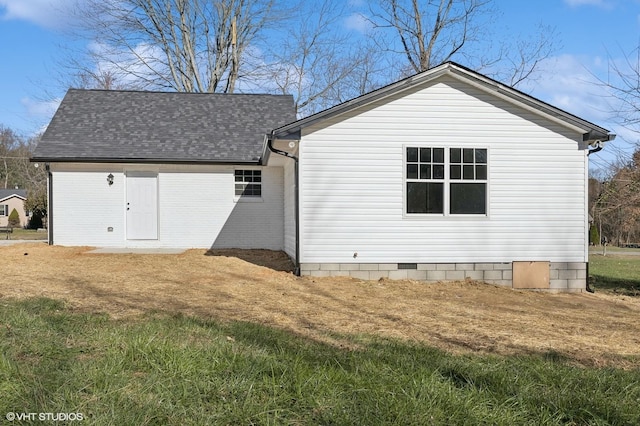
(248, 183)
(4, 210)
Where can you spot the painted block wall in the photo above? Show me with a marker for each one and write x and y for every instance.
(197, 207)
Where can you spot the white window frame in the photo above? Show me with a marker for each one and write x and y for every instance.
(5, 210)
(447, 181)
(246, 197)
(441, 181)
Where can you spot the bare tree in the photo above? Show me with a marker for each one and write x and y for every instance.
(427, 33)
(35, 178)
(430, 32)
(182, 45)
(32, 177)
(16, 170)
(623, 83)
(617, 207)
(98, 79)
(317, 62)
(369, 72)
(9, 142)
(615, 202)
(518, 59)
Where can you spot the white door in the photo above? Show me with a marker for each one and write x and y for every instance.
(142, 206)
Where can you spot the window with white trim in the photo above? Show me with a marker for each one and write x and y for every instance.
(4, 210)
(425, 180)
(446, 181)
(248, 183)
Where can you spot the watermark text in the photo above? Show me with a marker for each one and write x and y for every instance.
(44, 417)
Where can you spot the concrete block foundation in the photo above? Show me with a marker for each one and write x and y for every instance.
(563, 276)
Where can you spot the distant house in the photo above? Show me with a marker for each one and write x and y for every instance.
(13, 199)
(445, 175)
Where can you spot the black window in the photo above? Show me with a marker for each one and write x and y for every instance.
(428, 186)
(468, 198)
(248, 183)
(468, 168)
(424, 197)
(425, 176)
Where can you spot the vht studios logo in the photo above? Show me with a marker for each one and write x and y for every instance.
(51, 417)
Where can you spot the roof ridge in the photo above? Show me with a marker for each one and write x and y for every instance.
(75, 89)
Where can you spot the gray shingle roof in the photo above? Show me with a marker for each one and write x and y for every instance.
(128, 126)
(5, 193)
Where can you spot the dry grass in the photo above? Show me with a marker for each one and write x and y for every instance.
(460, 316)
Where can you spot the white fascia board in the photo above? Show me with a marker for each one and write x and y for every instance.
(11, 196)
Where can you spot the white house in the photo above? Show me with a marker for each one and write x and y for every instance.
(445, 175)
(151, 169)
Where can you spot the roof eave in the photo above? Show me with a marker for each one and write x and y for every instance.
(142, 161)
(529, 102)
(588, 129)
(286, 131)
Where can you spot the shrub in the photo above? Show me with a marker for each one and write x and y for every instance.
(14, 219)
(35, 222)
(594, 235)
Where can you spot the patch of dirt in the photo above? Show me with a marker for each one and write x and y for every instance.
(460, 317)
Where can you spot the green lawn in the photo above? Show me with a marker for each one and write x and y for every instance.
(180, 370)
(616, 273)
(25, 234)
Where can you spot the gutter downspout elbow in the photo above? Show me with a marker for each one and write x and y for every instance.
(598, 149)
(296, 197)
(588, 286)
(599, 144)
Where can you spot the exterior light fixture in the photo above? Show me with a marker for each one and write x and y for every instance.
(110, 179)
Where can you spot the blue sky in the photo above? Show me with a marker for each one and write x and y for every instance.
(589, 33)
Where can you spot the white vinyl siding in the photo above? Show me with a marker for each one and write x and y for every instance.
(352, 183)
(197, 207)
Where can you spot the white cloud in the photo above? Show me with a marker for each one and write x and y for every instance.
(46, 13)
(40, 112)
(132, 69)
(358, 22)
(40, 109)
(576, 85)
(569, 82)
